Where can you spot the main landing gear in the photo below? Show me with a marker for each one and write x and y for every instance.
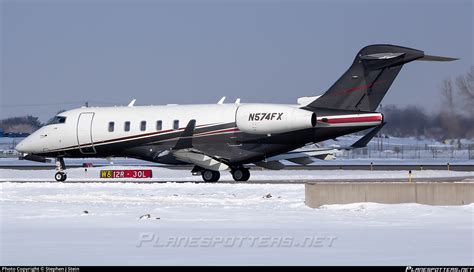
(238, 174)
(210, 175)
(60, 167)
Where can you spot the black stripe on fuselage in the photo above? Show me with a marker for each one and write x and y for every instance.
(172, 132)
(233, 147)
(123, 143)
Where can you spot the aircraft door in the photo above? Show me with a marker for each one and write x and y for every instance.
(84, 133)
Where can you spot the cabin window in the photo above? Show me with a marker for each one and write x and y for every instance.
(175, 124)
(143, 125)
(159, 125)
(111, 126)
(127, 126)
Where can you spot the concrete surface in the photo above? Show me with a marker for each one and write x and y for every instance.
(430, 193)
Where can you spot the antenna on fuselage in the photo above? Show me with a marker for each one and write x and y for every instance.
(132, 103)
(222, 100)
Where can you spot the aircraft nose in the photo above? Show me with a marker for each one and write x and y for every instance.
(23, 146)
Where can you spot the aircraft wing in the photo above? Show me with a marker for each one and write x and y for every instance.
(198, 158)
(305, 157)
(362, 142)
(185, 152)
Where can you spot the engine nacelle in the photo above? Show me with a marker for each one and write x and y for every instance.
(268, 119)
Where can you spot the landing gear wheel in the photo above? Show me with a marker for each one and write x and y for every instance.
(210, 176)
(60, 176)
(241, 174)
(60, 167)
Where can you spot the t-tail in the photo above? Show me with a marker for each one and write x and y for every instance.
(363, 86)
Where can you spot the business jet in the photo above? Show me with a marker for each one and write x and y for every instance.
(229, 136)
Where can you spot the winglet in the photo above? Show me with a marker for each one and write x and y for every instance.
(222, 100)
(362, 142)
(132, 103)
(186, 138)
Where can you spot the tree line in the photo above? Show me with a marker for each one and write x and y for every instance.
(454, 120)
(24, 124)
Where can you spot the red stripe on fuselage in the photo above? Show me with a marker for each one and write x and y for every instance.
(361, 119)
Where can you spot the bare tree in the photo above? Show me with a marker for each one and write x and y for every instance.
(465, 84)
(447, 95)
(449, 120)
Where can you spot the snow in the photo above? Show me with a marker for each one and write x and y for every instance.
(89, 222)
(164, 174)
(220, 224)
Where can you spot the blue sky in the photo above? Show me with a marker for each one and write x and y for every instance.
(58, 54)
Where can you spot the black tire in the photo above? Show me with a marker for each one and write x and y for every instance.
(210, 176)
(246, 174)
(60, 176)
(241, 174)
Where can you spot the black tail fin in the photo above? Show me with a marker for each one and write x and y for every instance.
(365, 83)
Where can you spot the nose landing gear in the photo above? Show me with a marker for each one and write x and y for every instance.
(60, 167)
(60, 176)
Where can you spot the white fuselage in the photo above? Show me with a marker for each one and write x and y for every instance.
(71, 133)
(82, 131)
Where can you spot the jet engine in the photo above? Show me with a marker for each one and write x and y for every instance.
(269, 119)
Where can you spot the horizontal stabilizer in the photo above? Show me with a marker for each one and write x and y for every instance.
(437, 58)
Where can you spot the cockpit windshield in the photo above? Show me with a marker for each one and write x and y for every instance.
(57, 120)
